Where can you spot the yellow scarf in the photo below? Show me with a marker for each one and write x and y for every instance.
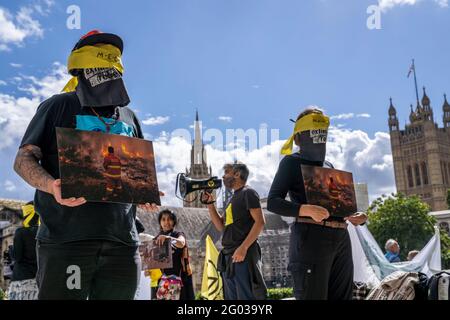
(312, 121)
(97, 56)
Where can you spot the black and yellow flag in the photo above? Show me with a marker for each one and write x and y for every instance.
(212, 281)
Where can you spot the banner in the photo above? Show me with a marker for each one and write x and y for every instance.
(211, 282)
(371, 266)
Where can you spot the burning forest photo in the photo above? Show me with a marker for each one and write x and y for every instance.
(331, 189)
(106, 167)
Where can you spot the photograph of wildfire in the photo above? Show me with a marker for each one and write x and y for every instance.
(331, 189)
(106, 167)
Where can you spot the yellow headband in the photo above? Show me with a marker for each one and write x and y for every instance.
(312, 121)
(98, 56)
(28, 213)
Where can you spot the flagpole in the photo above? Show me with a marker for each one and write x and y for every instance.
(415, 81)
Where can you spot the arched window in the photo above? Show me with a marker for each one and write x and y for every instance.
(448, 170)
(424, 173)
(417, 174)
(444, 172)
(410, 176)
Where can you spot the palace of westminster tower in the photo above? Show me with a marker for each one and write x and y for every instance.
(421, 153)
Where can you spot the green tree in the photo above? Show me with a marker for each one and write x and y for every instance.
(448, 198)
(445, 248)
(404, 219)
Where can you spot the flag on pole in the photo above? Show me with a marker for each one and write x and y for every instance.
(211, 282)
(411, 69)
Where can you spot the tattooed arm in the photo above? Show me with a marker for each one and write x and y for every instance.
(28, 167)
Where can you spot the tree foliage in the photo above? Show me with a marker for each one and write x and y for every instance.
(448, 198)
(402, 218)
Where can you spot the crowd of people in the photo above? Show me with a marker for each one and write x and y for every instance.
(101, 239)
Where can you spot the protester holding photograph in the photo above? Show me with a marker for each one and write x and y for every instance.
(175, 282)
(85, 249)
(320, 254)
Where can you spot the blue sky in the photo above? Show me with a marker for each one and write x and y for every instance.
(253, 62)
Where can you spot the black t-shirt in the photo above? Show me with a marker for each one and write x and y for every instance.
(289, 179)
(237, 219)
(25, 265)
(177, 255)
(93, 220)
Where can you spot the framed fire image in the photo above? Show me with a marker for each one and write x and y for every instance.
(154, 256)
(106, 167)
(330, 188)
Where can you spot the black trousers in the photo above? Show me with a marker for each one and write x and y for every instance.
(320, 261)
(91, 269)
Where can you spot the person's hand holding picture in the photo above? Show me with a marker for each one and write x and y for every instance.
(317, 213)
(357, 219)
(55, 188)
(151, 207)
(161, 239)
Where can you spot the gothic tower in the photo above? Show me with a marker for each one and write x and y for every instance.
(421, 153)
(199, 167)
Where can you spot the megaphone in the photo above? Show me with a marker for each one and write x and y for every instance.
(188, 185)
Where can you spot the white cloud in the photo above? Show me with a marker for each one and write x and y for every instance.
(342, 116)
(17, 112)
(2, 83)
(389, 4)
(442, 3)
(9, 186)
(43, 8)
(154, 121)
(368, 158)
(15, 28)
(225, 118)
(345, 116)
(15, 65)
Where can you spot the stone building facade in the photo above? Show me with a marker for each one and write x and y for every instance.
(421, 153)
(10, 219)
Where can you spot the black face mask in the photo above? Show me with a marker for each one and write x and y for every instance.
(101, 87)
(313, 145)
(229, 181)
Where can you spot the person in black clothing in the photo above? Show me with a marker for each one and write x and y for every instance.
(85, 249)
(239, 261)
(320, 255)
(25, 265)
(180, 255)
(23, 284)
